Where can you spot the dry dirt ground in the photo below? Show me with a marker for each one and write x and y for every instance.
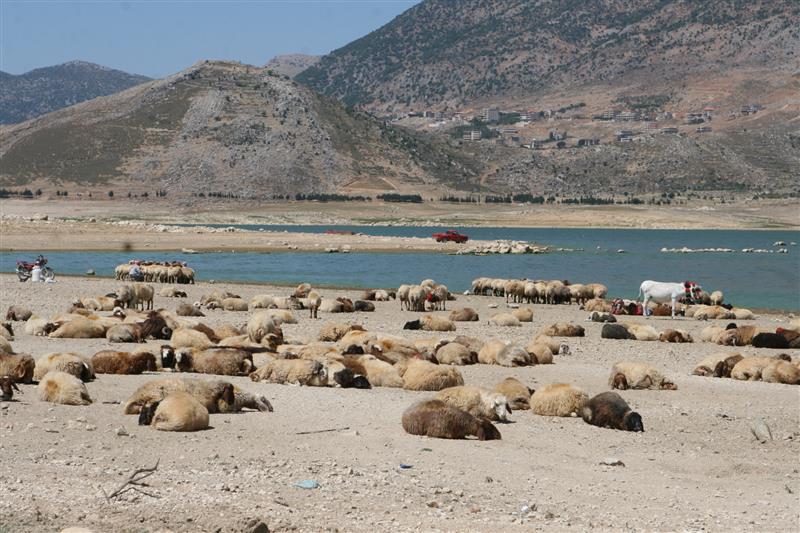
(696, 467)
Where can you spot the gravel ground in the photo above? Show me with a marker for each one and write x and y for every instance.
(696, 467)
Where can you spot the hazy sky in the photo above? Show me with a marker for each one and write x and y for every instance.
(156, 38)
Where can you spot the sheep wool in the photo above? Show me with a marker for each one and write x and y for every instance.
(63, 388)
(436, 419)
(425, 376)
(558, 399)
(476, 401)
(180, 411)
(517, 394)
(630, 375)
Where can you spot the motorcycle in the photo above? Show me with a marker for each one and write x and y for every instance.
(24, 269)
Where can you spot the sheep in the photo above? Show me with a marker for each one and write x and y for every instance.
(751, 368)
(540, 353)
(498, 352)
(381, 295)
(335, 332)
(111, 362)
(314, 302)
(710, 333)
(431, 323)
(609, 410)
(770, 340)
(717, 298)
(302, 290)
(234, 304)
(436, 419)
(154, 326)
(190, 338)
(18, 313)
(464, 314)
(478, 402)
(5, 346)
(171, 292)
(282, 316)
(558, 399)
(781, 372)
(563, 329)
(642, 332)
(517, 394)
(63, 388)
(67, 362)
(179, 411)
(364, 306)
(505, 319)
(261, 325)
(675, 335)
(294, 371)
(416, 297)
(630, 375)
(220, 361)
(742, 314)
(454, 353)
(425, 376)
(346, 378)
(186, 309)
(98, 303)
(7, 331)
(402, 295)
(598, 305)
(601, 317)
(556, 347)
(217, 396)
(427, 348)
(717, 365)
(20, 367)
(78, 328)
(616, 331)
(143, 295)
(7, 388)
(598, 290)
(738, 336)
(471, 343)
(379, 373)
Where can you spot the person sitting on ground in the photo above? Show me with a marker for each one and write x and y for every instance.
(136, 273)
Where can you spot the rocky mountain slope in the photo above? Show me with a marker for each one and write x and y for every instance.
(291, 64)
(46, 89)
(224, 127)
(447, 54)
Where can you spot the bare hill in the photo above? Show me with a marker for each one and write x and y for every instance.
(291, 64)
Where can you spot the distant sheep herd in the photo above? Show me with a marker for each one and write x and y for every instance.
(346, 355)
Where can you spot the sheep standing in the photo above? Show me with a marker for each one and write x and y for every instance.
(718, 365)
(558, 399)
(179, 411)
(63, 388)
(314, 301)
(476, 401)
(610, 410)
(436, 419)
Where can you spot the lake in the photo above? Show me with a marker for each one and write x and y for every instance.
(747, 279)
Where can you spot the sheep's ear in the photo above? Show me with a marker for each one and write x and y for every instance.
(531, 391)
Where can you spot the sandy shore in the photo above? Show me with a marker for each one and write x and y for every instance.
(696, 467)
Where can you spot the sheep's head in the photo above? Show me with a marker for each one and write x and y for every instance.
(500, 406)
(147, 412)
(86, 372)
(619, 382)
(668, 385)
(633, 421)
(227, 399)
(167, 356)
(8, 327)
(361, 382)
(413, 324)
(7, 388)
(183, 359)
(487, 431)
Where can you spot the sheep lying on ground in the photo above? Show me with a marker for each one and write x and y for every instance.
(776, 341)
(215, 395)
(18, 313)
(78, 328)
(171, 292)
(629, 375)
(261, 326)
(556, 347)
(436, 419)
(540, 353)
(738, 336)
(523, 314)
(335, 332)
(454, 353)
(190, 338)
(379, 373)
(751, 368)
(476, 401)
(293, 371)
(609, 410)
(505, 319)
(179, 411)
(219, 361)
(781, 372)
(36, 326)
(5, 346)
(601, 317)
(517, 394)
(425, 376)
(718, 365)
(185, 309)
(710, 333)
(67, 362)
(111, 362)
(563, 329)
(674, 335)
(642, 332)
(616, 331)
(18, 367)
(597, 304)
(558, 399)
(63, 388)
(431, 323)
(498, 352)
(465, 314)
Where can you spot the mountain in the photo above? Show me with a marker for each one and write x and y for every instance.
(446, 54)
(291, 64)
(225, 127)
(46, 89)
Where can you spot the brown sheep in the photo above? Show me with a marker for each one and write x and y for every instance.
(781, 371)
(674, 335)
(610, 410)
(111, 362)
(499, 352)
(78, 328)
(718, 365)
(63, 388)
(215, 395)
(454, 353)
(18, 367)
(179, 411)
(379, 373)
(220, 361)
(751, 368)
(523, 314)
(558, 399)
(425, 376)
(465, 314)
(629, 375)
(517, 394)
(505, 319)
(7, 388)
(476, 401)
(18, 313)
(597, 304)
(741, 336)
(563, 329)
(540, 354)
(436, 419)
(190, 338)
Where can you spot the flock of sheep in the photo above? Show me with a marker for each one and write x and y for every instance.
(346, 355)
(154, 272)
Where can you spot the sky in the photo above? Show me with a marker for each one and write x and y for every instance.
(158, 38)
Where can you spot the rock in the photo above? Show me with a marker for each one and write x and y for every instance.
(611, 461)
(121, 432)
(90, 272)
(760, 430)
(256, 526)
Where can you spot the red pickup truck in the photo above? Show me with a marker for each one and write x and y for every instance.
(450, 236)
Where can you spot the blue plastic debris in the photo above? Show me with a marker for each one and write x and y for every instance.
(405, 466)
(307, 484)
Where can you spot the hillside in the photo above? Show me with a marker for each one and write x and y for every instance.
(442, 54)
(291, 64)
(224, 127)
(47, 89)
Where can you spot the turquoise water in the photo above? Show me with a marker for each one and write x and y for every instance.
(750, 280)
